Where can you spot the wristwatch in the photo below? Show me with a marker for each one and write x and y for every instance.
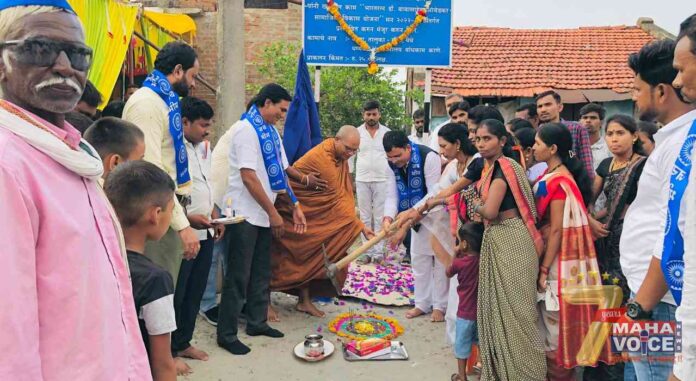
(636, 312)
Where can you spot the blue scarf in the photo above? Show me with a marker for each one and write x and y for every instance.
(158, 83)
(25, 3)
(672, 262)
(270, 149)
(411, 193)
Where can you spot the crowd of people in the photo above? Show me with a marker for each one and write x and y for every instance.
(114, 225)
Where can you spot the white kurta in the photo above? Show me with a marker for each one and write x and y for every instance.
(430, 282)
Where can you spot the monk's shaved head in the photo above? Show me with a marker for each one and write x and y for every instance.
(347, 142)
(347, 131)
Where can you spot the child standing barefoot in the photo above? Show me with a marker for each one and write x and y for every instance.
(465, 265)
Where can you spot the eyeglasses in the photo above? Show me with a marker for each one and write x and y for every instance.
(44, 53)
(351, 149)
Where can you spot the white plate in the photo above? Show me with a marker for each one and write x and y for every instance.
(229, 220)
(328, 350)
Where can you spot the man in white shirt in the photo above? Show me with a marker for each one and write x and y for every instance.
(450, 99)
(592, 118)
(414, 171)
(257, 176)
(643, 234)
(197, 117)
(219, 178)
(177, 64)
(685, 64)
(370, 175)
(418, 124)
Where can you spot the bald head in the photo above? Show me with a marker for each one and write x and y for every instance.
(346, 132)
(452, 99)
(347, 142)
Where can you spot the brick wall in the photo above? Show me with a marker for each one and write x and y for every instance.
(207, 48)
(264, 26)
(261, 27)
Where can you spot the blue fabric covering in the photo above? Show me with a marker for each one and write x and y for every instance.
(18, 3)
(302, 129)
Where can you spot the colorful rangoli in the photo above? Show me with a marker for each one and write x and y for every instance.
(361, 326)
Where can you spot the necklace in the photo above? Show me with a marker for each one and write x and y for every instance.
(18, 113)
(554, 168)
(461, 167)
(615, 165)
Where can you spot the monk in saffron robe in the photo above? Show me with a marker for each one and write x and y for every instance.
(297, 259)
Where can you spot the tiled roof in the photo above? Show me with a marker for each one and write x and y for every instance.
(524, 62)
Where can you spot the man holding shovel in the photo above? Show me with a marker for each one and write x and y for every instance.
(415, 170)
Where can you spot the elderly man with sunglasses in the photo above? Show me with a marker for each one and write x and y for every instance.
(67, 306)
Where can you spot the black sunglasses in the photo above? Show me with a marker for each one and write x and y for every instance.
(44, 52)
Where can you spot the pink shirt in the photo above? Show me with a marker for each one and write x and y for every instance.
(66, 304)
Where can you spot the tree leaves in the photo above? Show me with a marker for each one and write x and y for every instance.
(343, 89)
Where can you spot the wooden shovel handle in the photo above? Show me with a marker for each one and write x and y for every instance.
(366, 246)
(357, 252)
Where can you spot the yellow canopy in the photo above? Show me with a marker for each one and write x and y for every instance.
(108, 26)
(176, 23)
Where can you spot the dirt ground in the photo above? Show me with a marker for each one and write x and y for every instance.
(430, 358)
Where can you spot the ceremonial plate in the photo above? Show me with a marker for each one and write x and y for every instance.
(328, 350)
(228, 220)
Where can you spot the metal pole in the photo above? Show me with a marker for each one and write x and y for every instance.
(317, 84)
(426, 103)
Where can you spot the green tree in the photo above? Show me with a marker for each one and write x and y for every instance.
(343, 89)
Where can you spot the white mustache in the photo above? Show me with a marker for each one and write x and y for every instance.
(59, 81)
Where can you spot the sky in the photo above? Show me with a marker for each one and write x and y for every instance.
(547, 14)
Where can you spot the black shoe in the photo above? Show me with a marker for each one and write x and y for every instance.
(406, 260)
(270, 332)
(236, 347)
(211, 316)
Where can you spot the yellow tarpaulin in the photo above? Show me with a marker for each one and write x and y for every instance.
(108, 27)
(158, 35)
(176, 23)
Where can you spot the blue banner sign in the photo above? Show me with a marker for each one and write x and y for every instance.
(378, 22)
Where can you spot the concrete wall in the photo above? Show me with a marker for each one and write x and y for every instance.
(619, 107)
